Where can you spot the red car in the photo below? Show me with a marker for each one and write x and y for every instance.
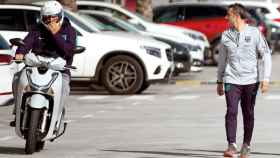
(208, 18)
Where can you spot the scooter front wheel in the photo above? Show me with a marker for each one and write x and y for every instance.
(40, 145)
(32, 133)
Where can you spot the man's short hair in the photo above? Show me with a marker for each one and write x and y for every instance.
(239, 9)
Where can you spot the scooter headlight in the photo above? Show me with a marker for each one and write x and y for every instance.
(35, 87)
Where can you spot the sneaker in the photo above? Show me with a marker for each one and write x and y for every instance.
(245, 151)
(231, 150)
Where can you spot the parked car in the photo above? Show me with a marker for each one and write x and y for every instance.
(122, 62)
(7, 69)
(181, 56)
(204, 16)
(184, 36)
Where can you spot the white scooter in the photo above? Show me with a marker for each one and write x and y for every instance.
(39, 114)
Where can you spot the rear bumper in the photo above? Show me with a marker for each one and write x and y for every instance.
(7, 74)
(4, 99)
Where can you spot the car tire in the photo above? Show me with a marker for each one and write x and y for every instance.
(215, 51)
(187, 66)
(122, 74)
(145, 86)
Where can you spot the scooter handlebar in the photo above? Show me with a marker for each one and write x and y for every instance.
(17, 61)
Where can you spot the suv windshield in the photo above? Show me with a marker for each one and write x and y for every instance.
(111, 23)
(80, 21)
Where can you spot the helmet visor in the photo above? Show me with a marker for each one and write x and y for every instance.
(49, 18)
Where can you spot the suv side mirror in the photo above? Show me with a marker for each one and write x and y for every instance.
(78, 49)
(17, 42)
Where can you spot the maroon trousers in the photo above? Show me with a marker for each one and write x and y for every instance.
(247, 95)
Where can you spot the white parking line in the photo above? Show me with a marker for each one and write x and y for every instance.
(272, 97)
(88, 116)
(100, 111)
(93, 97)
(119, 107)
(136, 103)
(6, 138)
(69, 121)
(141, 97)
(185, 97)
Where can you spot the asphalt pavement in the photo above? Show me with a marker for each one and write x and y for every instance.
(183, 119)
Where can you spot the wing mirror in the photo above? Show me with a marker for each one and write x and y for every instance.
(79, 49)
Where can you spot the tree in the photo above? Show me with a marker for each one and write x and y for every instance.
(144, 7)
(69, 4)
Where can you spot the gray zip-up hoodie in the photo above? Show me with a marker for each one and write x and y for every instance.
(244, 57)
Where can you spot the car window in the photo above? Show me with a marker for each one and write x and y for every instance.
(170, 14)
(254, 16)
(202, 12)
(264, 10)
(105, 9)
(33, 18)
(94, 22)
(3, 43)
(126, 25)
(12, 20)
(107, 23)
(79, 21)
(115, 13)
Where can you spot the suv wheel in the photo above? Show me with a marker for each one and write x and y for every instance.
(215, 51)
(122, 75)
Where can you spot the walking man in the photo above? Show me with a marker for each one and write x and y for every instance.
(244, 64)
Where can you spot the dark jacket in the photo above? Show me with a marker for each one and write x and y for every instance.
(42, 42)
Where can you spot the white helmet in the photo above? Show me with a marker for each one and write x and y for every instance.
(52, 8)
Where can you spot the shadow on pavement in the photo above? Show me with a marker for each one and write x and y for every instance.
(11, 151)
(164, 153)
(216, 151)
(192, 153)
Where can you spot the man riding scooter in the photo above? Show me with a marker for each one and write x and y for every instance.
(52, 37)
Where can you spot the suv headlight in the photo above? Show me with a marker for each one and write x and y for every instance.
(195, 36)
(152, 51)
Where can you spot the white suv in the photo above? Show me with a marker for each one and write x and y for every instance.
(124, 63)
(181, 35)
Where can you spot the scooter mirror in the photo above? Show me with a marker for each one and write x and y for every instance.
(79, 49)
(17, 42)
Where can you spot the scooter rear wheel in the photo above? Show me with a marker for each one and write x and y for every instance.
(32, 135)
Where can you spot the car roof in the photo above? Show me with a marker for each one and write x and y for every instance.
(221, 3)
(111, 5)
(20, 6)
(95, 12)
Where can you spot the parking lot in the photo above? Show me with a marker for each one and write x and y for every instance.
(183, 119)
